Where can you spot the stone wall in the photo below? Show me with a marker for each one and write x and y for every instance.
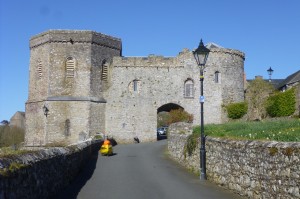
(255, 169)
(43, 173)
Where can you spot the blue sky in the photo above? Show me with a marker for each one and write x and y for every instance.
(267, 31)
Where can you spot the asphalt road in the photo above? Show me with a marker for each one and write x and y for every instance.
(140, 171)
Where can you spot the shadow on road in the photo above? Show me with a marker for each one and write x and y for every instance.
(85, 174)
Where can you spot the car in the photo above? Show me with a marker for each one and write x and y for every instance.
(162, 133)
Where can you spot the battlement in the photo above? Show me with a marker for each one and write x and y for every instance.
(150, 61)
(228, 51)
(75, 36)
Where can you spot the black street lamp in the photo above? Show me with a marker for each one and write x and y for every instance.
(201, 54)
(270, 72)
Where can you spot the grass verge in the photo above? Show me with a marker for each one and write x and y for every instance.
(282, 130)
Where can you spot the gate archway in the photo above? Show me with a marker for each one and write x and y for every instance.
(168, 107)
(163, 113)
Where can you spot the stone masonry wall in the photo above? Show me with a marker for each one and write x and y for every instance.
(255, 169)
(43, 173)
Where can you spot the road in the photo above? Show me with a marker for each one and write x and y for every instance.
(140, 171)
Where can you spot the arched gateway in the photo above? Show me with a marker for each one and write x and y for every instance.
(87, 87)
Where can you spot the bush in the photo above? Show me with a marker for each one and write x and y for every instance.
(282, 104)
(191, 144)
(236, 110)
(179, 115)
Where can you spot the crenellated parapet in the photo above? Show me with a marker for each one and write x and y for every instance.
(228, 51)
(77, 36)
(151, 61)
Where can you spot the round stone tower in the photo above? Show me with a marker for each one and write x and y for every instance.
(67, 72)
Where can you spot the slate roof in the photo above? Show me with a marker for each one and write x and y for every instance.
(274, 82)
(293, 78)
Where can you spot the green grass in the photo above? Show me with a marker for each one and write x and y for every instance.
(284, 130)
(8, 151)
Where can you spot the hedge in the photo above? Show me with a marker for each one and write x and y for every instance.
(282, 104)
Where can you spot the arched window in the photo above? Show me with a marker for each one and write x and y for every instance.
(217, 77)
(104, 70)
(189, 88)
(70, 67)
(135, 86)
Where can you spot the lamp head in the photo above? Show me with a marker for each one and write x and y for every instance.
(201, 54)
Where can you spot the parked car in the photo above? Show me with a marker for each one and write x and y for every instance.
(162, 133)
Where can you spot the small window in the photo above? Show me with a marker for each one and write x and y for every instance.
(135, 86)
(70, 67)
(189, 88)
(217, 77)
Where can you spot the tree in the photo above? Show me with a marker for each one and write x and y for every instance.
(256, 96)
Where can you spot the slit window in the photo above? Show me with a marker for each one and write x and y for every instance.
(135, 85)
(104, 71)
(40, 70)
(217, 77)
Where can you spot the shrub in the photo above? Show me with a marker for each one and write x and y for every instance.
(190, 144)
(282, 104)
(236, 110)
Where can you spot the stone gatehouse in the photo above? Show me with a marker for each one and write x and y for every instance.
(87, 87)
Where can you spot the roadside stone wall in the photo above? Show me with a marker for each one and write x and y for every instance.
(254, 169)
(43, 173)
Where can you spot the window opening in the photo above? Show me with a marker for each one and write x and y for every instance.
(135, 82)
(189, 88)
(217, 77)
(70, 67)
(67, 127)
(104, 70)
(40, 69)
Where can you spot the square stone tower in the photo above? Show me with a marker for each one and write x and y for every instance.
(67, 71)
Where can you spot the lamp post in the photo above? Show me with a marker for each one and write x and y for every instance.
(201, 54)
(270, 72)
